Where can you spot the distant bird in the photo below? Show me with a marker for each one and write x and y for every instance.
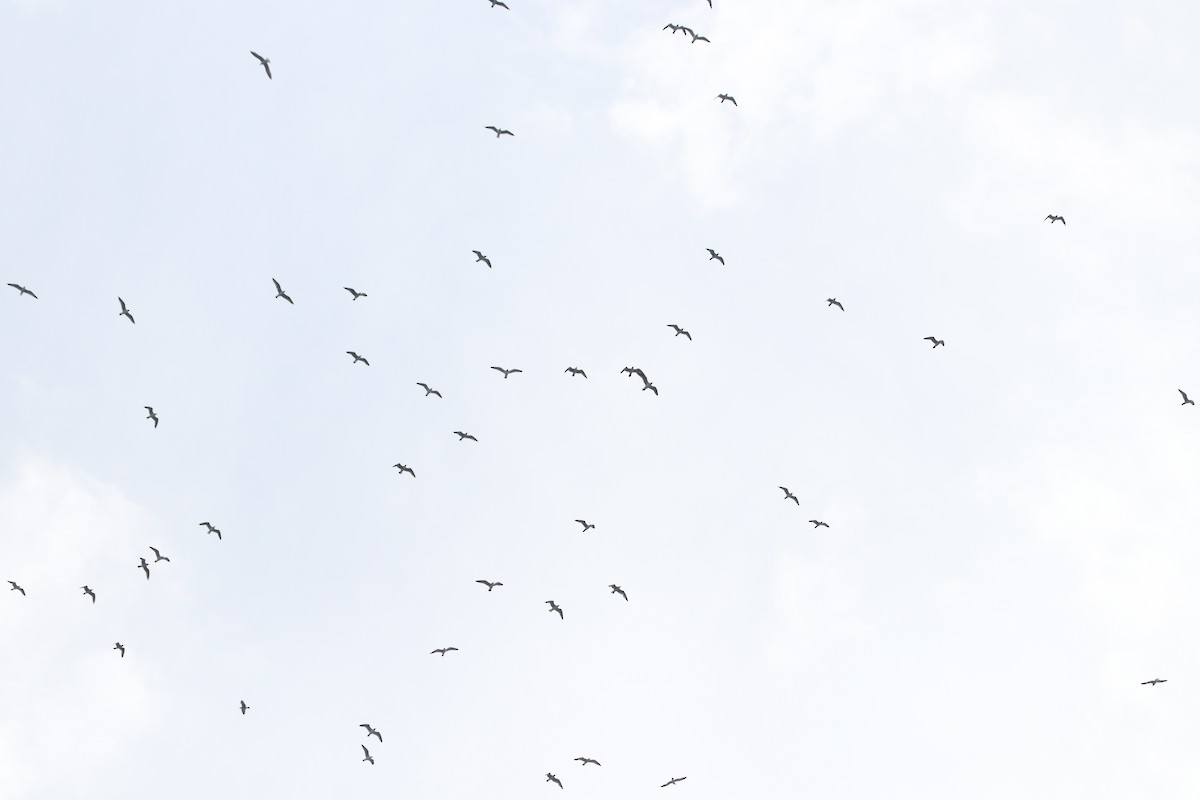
(652, 388)
(499, 3)
(442, 651)
(833, 301)
(490, 584)
(787, 495)
(16, 588)
(125, 311)
(679, 330)
(672, 27)
(714, 254)
(151, 415)
(244, 707)
(583, 762)
(144, 567)
(23, 290)
(89, 592)
(551, 777)
(631, 371)
(936, 342)
(673, 780)
(212, 529)
(575, 371)
(355, 293)
(499, 131)
(367, 754)
(481, 257)
(266, 62)
(279, 292)
(371, 732)
(1054, 218)
(429, 391)
(698, 38)
(404, 468)
(818, 524)
(586, 525)
(1154, 682)
(555, 608)
(159, 556)
(462, 436)
(506, 372)
(724, 97)
(1187, 401)
(618, 590)
(121, 647)
(357, 358)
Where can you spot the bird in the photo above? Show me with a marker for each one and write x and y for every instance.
(651, 387)
(481, 257)
(16, 588)
(1187, 401)
(575, 371)
(442, 651)
(554, 607)
(714, 254)
(1055, 218)
(244, 707)
(23, 290)
(586, 525)
(371, 732)
(88, 591)
(506, 372)
(787, 495)
(462, 436)
(357, 358)
(356, 294)
(673, 27)
(405, 468)
(698, 38)
(429, 391)
(499, 3)
(818, 523)
(631, 371)
(159, 556)
(679, 330)
(490, 584)
(618, 590)
(936, 341)
(266, 62)
(499, 131)
(583, 762)
(121, 647)
(673, 780)
(144, 567)
(833, 301)
(724, 97)
(367, 754)
(279, 292)
(212, 529)
(125, 311)
(551, 777)
(151, 415)
(1154, 682)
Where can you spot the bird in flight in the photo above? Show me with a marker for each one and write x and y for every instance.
(462, 436)
(554, 607)
(714, 254)
(679, 330)
(355, 293)
(1154, 682)
(371, 732)
(672, 27)
(266, 62)
(575, 371)
(279, 292)
(1187, 401)
(23, 290)
(631, 371)
(89, 592)
(367, 754)
(125, 311)
(936, 342)
(724, 97)
(787, 495)
(144, 567)
(818, 523)
(499, 3)
(357, 358)
(698, 38)
(583, 762)
(442, 651)
(16, 588)
(244, 707)
(159, 556)
(506, 372)
(481, 257)
(151, 415)
(499, 131)
(618, 590)
(1055, 218)
(652, 388)
(490, 584)
(673, 780)
(405, 468)
(586, 525)
(429, 391)
(121, 647)
(212, 529)
(551, 777)
(833, 301)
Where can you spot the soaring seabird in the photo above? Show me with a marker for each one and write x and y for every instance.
(357, 358)
(833, 301)
(673, 780)
(936, 341)
(279, 292)
(355, 293)
(371, 732)
(405, 468)
(724, 97)
(506, 372)
(555, 608)
(159, 556)
(462, 436)
(121, 647)
(586, 525)
(442, 651)
(1154, 682)
(499, 131)
(714, 254)
(679, 330)
(552, 777)
(244, 707)
(818, 524)
(481, 257)
(125, 311)
(787, 495)
(490, 584)
(144, 567)
(151, 415)
(16, 588)
(89, 592)
(367, 754)
(1187, 401)
(429, 391)
(618, 590)
(583, 762)
(266, 62)
(23, 290)
(1055, 218)
(575, 371)
(211, 528)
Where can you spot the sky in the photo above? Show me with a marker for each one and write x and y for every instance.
(1011, 518)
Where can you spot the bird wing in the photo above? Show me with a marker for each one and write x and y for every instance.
(278, 288)
(1182, 392)
(124, 308)
(366, 752)
(685, 333)
(424, 386)
(494, 128)
(930, 339)
(500, 369)
(256, 55)
(732, 100)
(351, 291)
(267, 67)
(514, 370)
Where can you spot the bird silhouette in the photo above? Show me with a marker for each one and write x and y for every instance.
(211, 529)
(23, 290)
(618, 590)
(90, 593)
(787, 495)
(499, 131)
(266, 62)
(279, 292)
(481, 257)
(586, 525)
(121, 647)
(151, 415)
(490, 584)
(355, 293)
(833, 301)
(499, 3)
(367, 754)
(673, 780)
(1055, 218)
(652, 388)
(462, 436)
(159, 556)
(403, 469)
(698, 38)
(679, 330)
(673, 28)
(1187, 401)
(144, 567)
(372, 732)
(442, 651)
(552, 777)
(575, 371)
(583, 762)
(506, 372)
(724, 97)
(429, 391)
(357, 358)
(16, 588)
(1154, 682)
(936, 342)
(244, 707)
(714, 254)
(125, 311)
(818, 524)
(554, 608)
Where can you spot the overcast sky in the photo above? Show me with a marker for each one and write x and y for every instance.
(1012, 518)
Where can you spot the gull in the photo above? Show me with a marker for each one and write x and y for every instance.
(586, 525)
(506, 372)
(499, 131)
(121, 647)
(1154, 682)
(672, 27)
(555, 608)
(405, 468)
(698, 38)
(499, 3)
(575, 371)
(724, 97)
(631, 371)
(651, 387)
(552, 777)
(371, 732)
(679, 330)
(266, 62)
(481, 257)
(618, 590)
(429, 391)
(1055, 218)
(462, 436)
(936, 341)
(367, 754)
(817, 523)
(145, 567)
(159, 556)
(1187, 401)
(833, 301)
(673, 780)
(16, 588)
(490, 584)
(279, 292)
(151, 415)
(442, 651)
(787, 495)
(357, 358)
(23, 290)
(355, 293)
(583, 762)
(244, 707)
(212, 529)
(125, 311)
(714, 254)
(88, 591)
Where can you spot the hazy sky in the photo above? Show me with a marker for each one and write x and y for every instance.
(1012, 518)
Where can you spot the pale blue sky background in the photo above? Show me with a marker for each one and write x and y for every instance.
(1012, 518)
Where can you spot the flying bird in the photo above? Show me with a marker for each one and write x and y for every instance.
(1187, 401)
(462, 436)
(125, 311)
(652, 388)
(698, 38)
(1055, 218)
(159, 556)
(618, 590)
(367, 754)
(357, 358)
(499, 131)
(506, 372)
(833, 301)
(1154, 682)
(355, 293)
(936, 342)
(724, 97)
(555, 608)
(89, 592)
(405, 468)
(23, 290)
(575, 371)
(490, 584)
(818, 524)
(212, 529)
(371, 732)
(144, 567)
(714, 254)
(442, 651)
(266, 62)
(481, 257)
(586, 525)
(583, 762)
(672, 27)
(679, 330)
(151, 415)
(787, 495)
(16, 588)
(244, 707)
(673, 780)
(429, 391)
(279, 292)
(552, 777)
(121, 647)
(499, 3)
